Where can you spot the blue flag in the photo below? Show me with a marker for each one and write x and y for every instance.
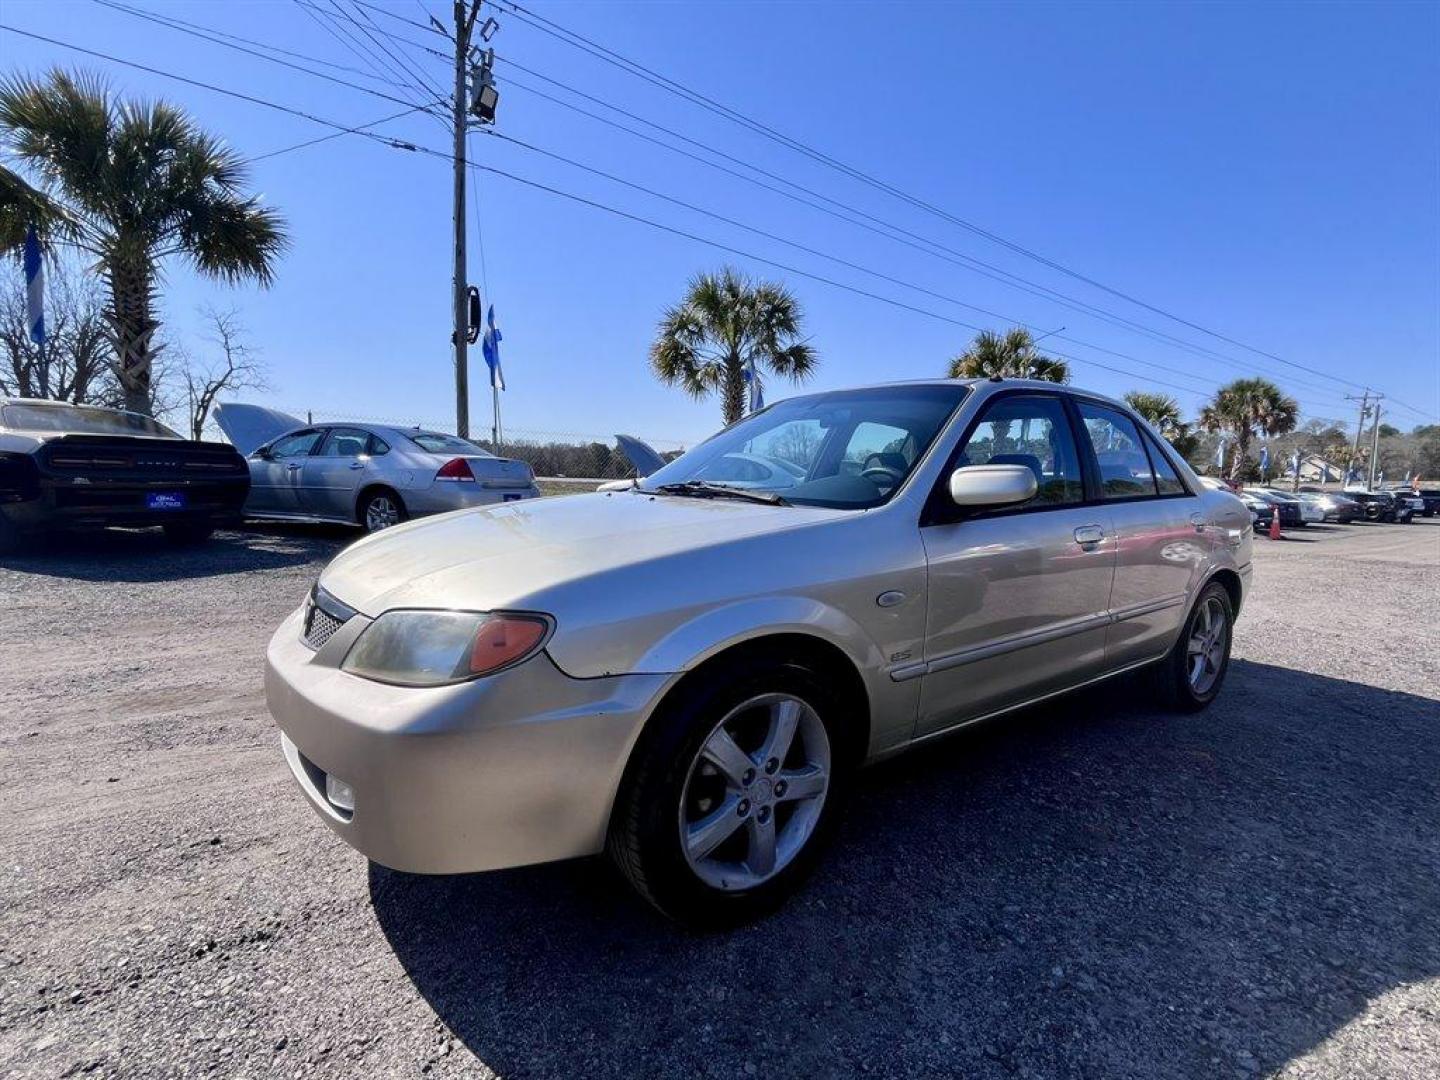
(490, 346)
(1264, 459)
(757, 392)
(34, 287)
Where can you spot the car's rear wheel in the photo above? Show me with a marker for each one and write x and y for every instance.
(380, 509)
(10, 539)
(732, 793)
(185, 533)
(1190, 677)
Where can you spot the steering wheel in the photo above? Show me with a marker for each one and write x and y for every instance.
(880, 473)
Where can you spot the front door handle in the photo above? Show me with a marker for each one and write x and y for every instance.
(357, 465)
(1089, 535)
(292, 466)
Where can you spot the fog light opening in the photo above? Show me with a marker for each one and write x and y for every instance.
(339, 794)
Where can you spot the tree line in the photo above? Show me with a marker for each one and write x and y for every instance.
(729, 329)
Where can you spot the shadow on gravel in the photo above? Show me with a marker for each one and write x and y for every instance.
(1085, 889)
(145, 555)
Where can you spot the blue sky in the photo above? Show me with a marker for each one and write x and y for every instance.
(1271, 172)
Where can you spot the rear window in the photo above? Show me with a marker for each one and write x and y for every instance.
(81, 420)
(433, 442)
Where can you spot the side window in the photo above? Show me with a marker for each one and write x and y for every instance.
(1167, 481)
(345, 442)
(296, 445)
(1124, 466)
(378, 446)
(1034, 432)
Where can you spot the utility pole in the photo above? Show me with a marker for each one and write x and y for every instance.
(1375, 449)
(464, 26)
(1359, 432)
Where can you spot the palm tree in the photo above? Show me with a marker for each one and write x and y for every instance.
(725, 324)
(1246, 408)
(1012, 356)
(132, 184)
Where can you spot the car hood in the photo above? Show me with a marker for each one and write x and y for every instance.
(510, 556)
(249, 427)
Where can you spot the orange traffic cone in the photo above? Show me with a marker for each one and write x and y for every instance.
(1275, 523)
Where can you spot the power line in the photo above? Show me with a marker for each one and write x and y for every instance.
(397, 144)
(397, 63)
(205, 33)
(869, 271)
(867, 221)
(195, 30)
(638, 70)
(356, 130)
(175, 22)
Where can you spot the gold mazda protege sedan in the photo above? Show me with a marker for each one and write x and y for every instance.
(688, 672)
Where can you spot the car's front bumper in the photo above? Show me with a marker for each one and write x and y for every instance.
(521, 767)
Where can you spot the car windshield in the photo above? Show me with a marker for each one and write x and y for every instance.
(81, 420)
(847, 450)
(435, 443)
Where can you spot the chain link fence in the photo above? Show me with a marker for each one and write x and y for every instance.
(550, 454)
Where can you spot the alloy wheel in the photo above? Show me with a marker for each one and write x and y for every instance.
(380, 513)
(1205, 652)
(755, 791)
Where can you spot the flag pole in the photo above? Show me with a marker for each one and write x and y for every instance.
(495, 422)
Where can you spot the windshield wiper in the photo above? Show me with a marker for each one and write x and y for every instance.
(703, 489)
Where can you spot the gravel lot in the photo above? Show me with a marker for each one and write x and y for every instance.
(1088, 889)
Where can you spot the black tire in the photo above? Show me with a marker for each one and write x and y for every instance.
(644, 836)
(186, 533)
(11, 540)
(1173, 681)
(370, 500)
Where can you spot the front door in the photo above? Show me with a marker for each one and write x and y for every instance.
(275, 475)
(1018, 596)
(332, 474)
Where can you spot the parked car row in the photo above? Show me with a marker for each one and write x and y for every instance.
(1313, 505)
(67, 466)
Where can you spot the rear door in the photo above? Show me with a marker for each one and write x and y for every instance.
(275, 473)
(1163, 539)
(333, 474)
(1018, 596)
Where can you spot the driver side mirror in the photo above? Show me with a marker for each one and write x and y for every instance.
(264, 454)
(984, 486)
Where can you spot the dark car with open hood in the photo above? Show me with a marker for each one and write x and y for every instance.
(82, 466)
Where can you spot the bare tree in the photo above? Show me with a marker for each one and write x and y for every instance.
(77, 349)
(231, 365)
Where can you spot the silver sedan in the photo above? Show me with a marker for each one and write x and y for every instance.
(687, 673)
(367, 474)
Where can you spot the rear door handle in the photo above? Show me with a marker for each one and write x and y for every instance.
(1089, 535)
(357, 465)
(292, 467)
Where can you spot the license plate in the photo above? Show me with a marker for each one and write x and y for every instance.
(165, 500)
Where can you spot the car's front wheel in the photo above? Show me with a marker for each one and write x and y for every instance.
(732, 793)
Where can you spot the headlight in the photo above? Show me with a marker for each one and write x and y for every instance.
(433, 648)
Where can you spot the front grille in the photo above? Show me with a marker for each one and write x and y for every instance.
(324, 615)
(320, 626)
